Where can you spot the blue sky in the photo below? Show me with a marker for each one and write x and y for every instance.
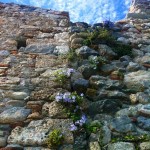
(90, 11)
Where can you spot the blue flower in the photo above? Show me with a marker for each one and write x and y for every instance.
(81, 94)
(83, 118)
(81, 121)
(108, 24)
(69, 71)
(66, 97)
(59, 97)
(73, 128)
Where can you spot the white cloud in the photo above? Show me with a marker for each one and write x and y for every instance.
(127, 2)
(90, 11)
(38, 3)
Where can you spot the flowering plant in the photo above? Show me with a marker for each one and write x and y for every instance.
(61, 76)
(108, 24)
(69, 97)
(79, 123)
(74, 111)
(55, 138)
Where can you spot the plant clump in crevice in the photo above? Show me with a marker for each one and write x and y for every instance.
(105, 36)
(21, 42)
(55, 139)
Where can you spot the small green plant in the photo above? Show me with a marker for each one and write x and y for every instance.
(55, 138)
(93, 127)
(120, 74)
(97, 36)
(60, 77)
(131, 138)
(105, 35)
(71, 55)
(87, 42)
(73, 115)
(122, 49)
(96, 61)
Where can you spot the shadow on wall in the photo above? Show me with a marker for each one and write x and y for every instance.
(21, 42)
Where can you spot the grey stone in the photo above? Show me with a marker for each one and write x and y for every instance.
(80, 85)
(53, 71)
(122, 124)
(97, 81)
(76, 75)
(4, 53)
(145, 110)
(63, 49)
(54, 110)
(94, 136)
(137, 53)
(62, 37)
(45, 49)
(63, 22)
(15, 146)
(3, 141)
(104, 106)
(143, 60)
(87, 71)
(80, 142)
(127, 26)
(134, 30)
(106, 51)
(123, 40)
(67, 147)
(117, 95)
(137, 16)
(140, 97)
(144, 123)
(145, 146)
(133, 67)
(108, 68)
(131, 111)
(85, 52)
(103, 118)
(36, 148)
(35, 134)
(137, 81)
(106, 135)
(94, 146)
(15, 114)
(17, 95)
(121, 146)
(147, 49)
(77, 40)
(16, 103)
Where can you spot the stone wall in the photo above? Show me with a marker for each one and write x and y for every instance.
(34, 29)
(139, 9)
(36, 46)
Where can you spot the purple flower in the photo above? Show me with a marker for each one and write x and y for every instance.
(59, 97)
(68, 98)
(67, 94)
(108, 24)
(73, 127)
(69, 71)
(73, 98)
(83, 118)
(81, 94)
(81, 121)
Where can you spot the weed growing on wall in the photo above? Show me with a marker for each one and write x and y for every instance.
(55, 139)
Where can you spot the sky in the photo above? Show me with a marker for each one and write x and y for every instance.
(90, 11)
